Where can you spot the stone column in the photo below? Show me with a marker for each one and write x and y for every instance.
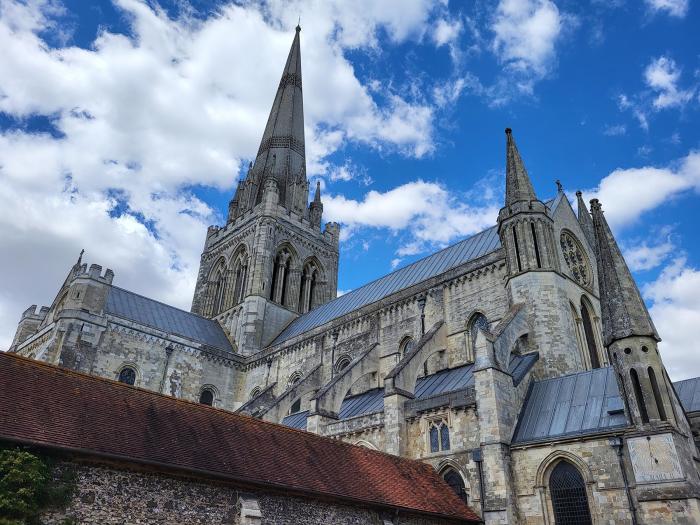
(395, 424)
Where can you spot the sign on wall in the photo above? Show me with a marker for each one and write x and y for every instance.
(654, 458)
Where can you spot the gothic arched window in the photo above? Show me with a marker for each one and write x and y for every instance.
(590, 335)
(216, 291)
(342, 363)
(456, 483)
(127, 375)
(568, 493)
(405, 346)
(280, 277)
(438, 435)
(240, 276)
(255, 392)
(308, 290)
(207, 397)
(296, 407)
(576, 259)
(476, 322)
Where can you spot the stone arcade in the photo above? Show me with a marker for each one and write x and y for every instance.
(521, 363)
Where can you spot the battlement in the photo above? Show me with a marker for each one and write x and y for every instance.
(32, 312)
(94, 272)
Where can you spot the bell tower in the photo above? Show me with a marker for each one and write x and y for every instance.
(272, 261)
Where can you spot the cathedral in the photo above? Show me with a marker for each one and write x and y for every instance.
(521, 363)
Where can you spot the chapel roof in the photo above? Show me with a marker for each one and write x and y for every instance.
(462, 252)
(134, 307)
(47, 406)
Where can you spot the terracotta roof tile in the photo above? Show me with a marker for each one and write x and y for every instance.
(61, 409)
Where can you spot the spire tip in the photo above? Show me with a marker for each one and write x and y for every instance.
(508, 131)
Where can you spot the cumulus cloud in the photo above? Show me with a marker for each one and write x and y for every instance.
(652, 186)
(427, 210)
(662, 76)
(647, 256)
(525, 36)
(136, 120)
(675, 309)
(446, 31)
(677, 8)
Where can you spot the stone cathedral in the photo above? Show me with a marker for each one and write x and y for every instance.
(521, 362)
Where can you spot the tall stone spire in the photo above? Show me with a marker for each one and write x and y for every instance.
(585, 221)
(623, 311)
(518, 185)
(281, 155)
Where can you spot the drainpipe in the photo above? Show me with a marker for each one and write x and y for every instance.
(617, 443)
(334, 335)
(168, 352)
(478, 458)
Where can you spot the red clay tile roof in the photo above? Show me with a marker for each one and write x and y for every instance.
(45, 405)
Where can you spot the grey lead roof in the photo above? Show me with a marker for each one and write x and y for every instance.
(582, 403)
(143, 310)
(435, 384)
(688, 391)
(464, 251)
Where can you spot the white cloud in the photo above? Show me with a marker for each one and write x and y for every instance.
(677, 8)
(139, 118)
(647, 257)
(662, 76)
(395, 262)
(525, 35)
(446, 31)
(676, 313)
(426, 210)
(628, 193)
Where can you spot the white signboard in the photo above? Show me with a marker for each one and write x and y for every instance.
(654, 458)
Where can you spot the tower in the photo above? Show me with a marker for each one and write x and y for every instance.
(534, 276)
(271, 261)
(629, 333)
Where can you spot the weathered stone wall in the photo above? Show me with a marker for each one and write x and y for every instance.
(598, 464)
(108, 495)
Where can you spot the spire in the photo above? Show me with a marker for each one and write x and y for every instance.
(624, 313)
(585, 221)
(518, 185)
(317, 195)
(284, 133)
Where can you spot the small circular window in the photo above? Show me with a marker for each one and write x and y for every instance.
(576, 259)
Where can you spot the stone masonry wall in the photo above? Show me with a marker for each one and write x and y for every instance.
(107, 495)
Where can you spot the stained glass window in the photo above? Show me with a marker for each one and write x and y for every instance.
(444, 437)
(454, 480)
(439, 435)
(434, 443)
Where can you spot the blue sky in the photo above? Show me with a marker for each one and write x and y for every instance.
(124, 127)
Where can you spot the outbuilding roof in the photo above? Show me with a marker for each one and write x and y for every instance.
(689, 393)
(54, 408)
(462, 252)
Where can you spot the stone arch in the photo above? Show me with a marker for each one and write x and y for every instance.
(132, 366)
(209, 388)
(329, 399)
(548, 464)
(312, 285)
(254, 393)
(366, 444)
(447, 470)
(239, 264)
(342, 362)
(589, 331)
(284, 263)
(404, 375)
(542, 482)
(476, 319)
(216, 287)
(294, 378)
(405, 345)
